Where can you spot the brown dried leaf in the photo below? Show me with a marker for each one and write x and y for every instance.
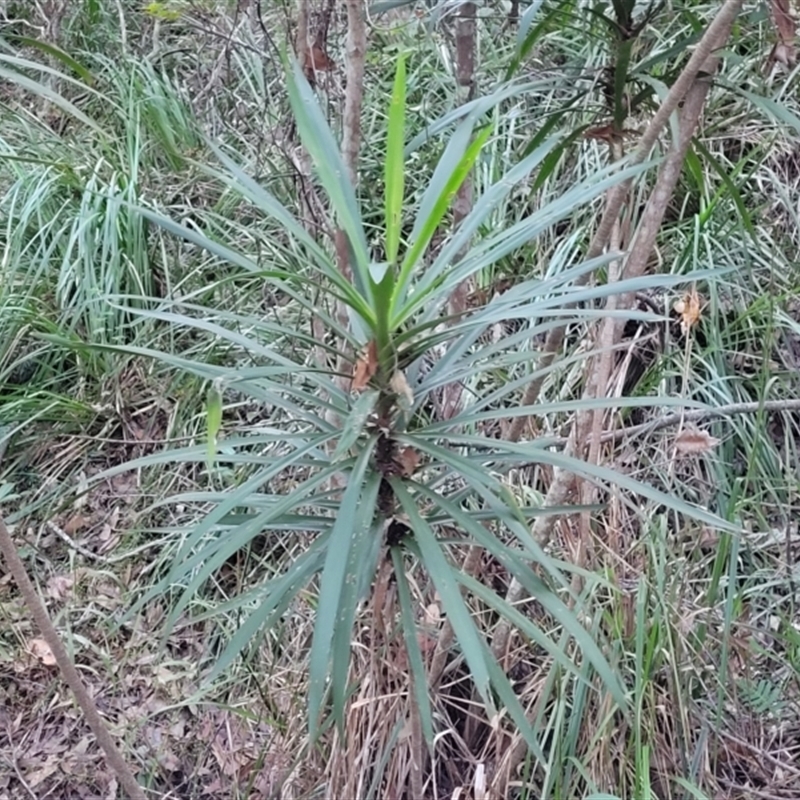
(606, 133)
(609, 133)
(690, 307)
(783, 53)
(407, 460)
(694, 441)
(365, 367)
(41, 650)
(708, 538)
(43, 771)
(399, 385)
(75, 523)
(59, 585)
(317, 60)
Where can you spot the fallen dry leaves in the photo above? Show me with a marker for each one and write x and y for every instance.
(40, 650)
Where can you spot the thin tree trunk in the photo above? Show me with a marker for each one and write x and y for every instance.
(465, 34)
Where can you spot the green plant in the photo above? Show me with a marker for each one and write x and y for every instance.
(365, 447)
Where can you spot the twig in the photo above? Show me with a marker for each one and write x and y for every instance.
(696, 416)
(99, 557)
(68, 670)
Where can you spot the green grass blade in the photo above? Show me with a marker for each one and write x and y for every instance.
(443, 577)
(418, 676)
(444, 184)
(355, 421)
(517, 563)
(395, 168)
(318, 140)
(35, 87)
(355, 516)
(59, 55)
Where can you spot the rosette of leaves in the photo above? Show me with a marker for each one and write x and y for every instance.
(364, 450)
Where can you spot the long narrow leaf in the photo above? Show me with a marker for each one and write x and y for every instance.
(444, 579)
(319, 141)
(355, 515)
(279, 593)
(419, 680)
(486, 672)
(394, 167)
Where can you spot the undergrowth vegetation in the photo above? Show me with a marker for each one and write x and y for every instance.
(359, 444)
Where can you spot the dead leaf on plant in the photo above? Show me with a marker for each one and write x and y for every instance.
(433, 614)
(317, 60)
(365, 367)
(693, 441)
(407, 460)
(399, 385)
(39, 648)
(690, 307)
(608, 133)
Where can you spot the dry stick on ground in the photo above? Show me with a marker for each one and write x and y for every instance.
(68, 670)
(703, 60)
